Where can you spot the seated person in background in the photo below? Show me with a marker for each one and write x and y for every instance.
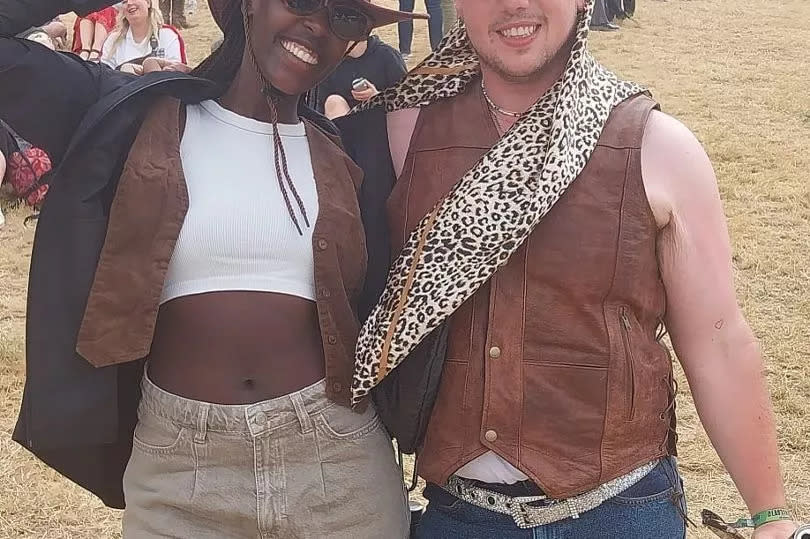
(89, 33)
(377, 64)
(141, 34)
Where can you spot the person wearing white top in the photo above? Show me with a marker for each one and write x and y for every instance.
(140, 33)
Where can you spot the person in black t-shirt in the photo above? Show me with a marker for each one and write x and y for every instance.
(372, 65)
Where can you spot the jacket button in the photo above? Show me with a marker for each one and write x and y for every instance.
(331, 339)
(337, 387)
(325, 293)
(491, 436)
(323, 244)
(494, 352)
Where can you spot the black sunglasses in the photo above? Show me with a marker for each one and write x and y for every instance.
(345, 20)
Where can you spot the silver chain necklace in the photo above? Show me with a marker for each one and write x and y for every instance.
(495, 107)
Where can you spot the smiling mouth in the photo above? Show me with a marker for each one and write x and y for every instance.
(300, 52)
(519, 32)
(131, 10)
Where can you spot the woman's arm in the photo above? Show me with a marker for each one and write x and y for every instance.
(44, 95)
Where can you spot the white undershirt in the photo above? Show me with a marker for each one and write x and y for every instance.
(128, 49)
(491, 468)
(238, 234)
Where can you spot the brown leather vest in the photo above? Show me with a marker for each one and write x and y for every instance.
(556, 363)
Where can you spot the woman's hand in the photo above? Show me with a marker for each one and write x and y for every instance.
(134, 69)
(365, 95)
(150, 65)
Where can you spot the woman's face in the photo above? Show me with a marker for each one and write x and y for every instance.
(135, 9)
(294, 53)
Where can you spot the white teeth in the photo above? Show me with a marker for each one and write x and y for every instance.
(303, 54)
(519, 31)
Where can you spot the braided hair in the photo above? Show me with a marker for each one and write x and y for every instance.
(222, 66)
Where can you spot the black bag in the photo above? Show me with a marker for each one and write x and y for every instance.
(405, 397)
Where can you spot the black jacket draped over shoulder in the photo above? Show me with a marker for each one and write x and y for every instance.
(76, 418)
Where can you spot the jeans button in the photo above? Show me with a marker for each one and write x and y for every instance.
(491, 436)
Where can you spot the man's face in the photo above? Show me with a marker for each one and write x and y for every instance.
(517, 38)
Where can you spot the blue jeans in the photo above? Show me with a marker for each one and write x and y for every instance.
(652, 508)
(434, 9)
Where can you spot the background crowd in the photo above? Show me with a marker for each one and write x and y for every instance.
(124, 35)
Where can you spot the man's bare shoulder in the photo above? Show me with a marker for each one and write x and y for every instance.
(677, 172)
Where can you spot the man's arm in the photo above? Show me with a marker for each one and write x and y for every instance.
(719, 352)
(19, 15)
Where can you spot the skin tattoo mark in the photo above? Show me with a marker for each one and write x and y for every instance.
(719, 324)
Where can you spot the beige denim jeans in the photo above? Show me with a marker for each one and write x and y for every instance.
(298, 466)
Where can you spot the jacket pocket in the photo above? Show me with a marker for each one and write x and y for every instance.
(630, 383)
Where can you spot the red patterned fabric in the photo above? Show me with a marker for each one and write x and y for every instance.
(107, 18)
(24, 170)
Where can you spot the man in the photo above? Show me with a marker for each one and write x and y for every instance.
(378, 65)
(546, 223)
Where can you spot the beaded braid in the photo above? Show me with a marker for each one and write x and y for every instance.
(279, 154)
(222, 66)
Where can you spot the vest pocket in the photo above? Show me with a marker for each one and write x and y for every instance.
(630, 383)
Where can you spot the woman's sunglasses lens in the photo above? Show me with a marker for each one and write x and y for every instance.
(349, 23)
(304, 7)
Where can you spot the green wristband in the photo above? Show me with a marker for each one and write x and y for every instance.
(770, 515)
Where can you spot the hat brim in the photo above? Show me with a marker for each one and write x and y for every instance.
(379, 16)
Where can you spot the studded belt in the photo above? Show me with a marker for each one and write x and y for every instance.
(528, 515)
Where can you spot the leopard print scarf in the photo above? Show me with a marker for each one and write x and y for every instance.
(493, 209)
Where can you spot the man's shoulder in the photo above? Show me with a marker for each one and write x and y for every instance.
(670, 142)
(676, 169)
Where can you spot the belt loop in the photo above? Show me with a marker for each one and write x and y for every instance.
(301, 412)
(202, 424)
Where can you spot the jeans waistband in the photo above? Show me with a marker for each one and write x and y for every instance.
(254, 419)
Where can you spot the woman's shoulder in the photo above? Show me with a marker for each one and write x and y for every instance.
(168, 33)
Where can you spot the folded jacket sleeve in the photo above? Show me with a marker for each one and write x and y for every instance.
(44, 94)
(19, 15)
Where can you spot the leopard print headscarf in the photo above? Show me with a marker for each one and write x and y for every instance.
(493, 209)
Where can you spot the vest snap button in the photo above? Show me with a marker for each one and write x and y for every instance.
(494, 352)
(491, 436)
(323, 244)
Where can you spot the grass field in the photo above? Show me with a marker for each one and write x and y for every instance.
(738, 74)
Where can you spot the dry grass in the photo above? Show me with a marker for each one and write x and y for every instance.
(737, 74)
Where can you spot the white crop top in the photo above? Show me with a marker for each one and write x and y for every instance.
(238, 234)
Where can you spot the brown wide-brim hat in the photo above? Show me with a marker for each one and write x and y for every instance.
(222, 10)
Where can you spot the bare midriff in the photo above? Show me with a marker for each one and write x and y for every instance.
(236, 347)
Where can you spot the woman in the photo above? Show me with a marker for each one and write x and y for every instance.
(91, 31)
(141, 34)
(209, 230)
